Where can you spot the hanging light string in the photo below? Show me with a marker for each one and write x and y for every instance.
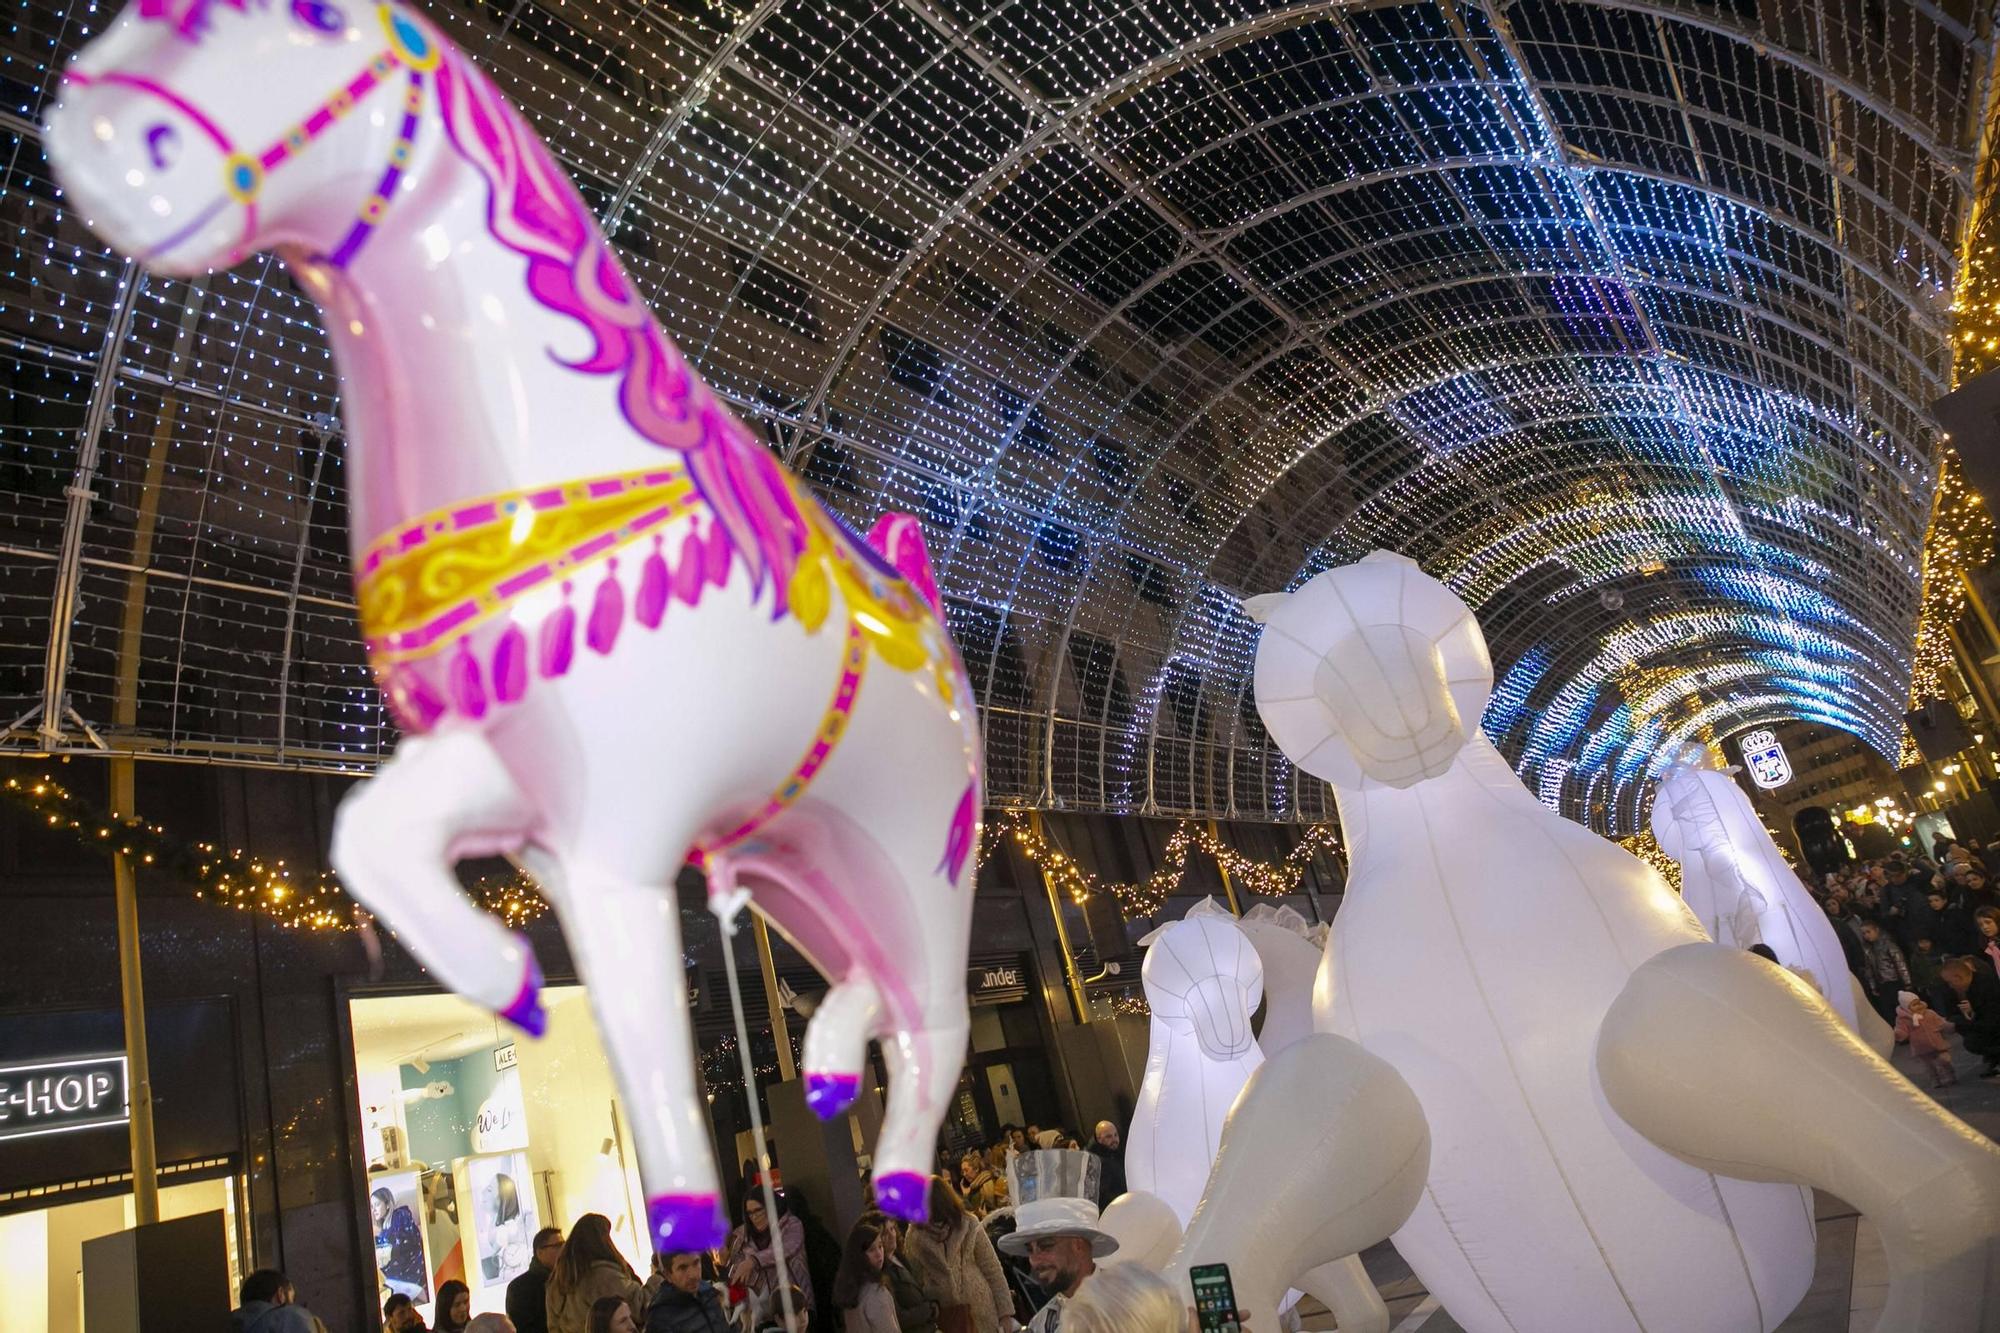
(248, 882)
(237, 879)
(1267, 879)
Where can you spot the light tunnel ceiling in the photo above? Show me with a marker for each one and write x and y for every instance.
(1620, 317)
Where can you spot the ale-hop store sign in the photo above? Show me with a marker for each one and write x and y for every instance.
(56, 1096)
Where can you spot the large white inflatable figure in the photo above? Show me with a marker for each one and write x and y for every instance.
(1324, 1154)
(1203, 982)
(1737, 882)
(1289, 950)
(617, 634)
(1480, 946)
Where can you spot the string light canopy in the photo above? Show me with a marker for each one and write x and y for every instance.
(1621, 316)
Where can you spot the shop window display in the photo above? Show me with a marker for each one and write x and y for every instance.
(474, 1142)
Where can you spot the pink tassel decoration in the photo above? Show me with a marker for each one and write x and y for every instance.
(716, 569)
(688, 574)
(559, 639)
(462, 680)
(650, 607)
(510, 665)
(607, 613)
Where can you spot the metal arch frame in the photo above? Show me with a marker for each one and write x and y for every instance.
(1221, 39)
(1292, 344)
(1329, 430)
(1586, 678)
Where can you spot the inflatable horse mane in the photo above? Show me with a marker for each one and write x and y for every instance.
(618, 634)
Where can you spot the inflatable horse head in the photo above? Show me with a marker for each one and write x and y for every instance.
(183, 151)
(1373, 670)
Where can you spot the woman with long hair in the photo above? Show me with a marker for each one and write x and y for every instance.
(958, 1267)
(454, 1307)
(589, 1269)
(751, 1258)
(861, 1287)
(612, 1314)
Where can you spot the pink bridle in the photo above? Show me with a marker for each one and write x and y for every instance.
(244, 174)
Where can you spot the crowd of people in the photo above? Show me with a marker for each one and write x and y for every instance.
(969, 1269)
(1922, 935)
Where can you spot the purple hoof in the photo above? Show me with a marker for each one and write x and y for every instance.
(686, 1222)
(830, 1094)
(526, 1012)
(905, 1195)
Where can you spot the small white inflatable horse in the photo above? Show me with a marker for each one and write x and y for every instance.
(1565, 1025)
(1203, 981)
(619, 635)
(1736, 881)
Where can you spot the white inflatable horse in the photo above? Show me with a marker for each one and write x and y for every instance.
(618, 634)
(1203, 982)
(1565, 1024)
(1736, 881)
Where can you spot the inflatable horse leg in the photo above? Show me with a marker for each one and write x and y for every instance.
(836, 1045)
(1345, 1288)
(394, 842)
(625, 937)
(1325, 1153)
(924, 1066)
(1739, 1068)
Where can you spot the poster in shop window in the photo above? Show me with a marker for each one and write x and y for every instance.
(401, 1265)
(496, 1212)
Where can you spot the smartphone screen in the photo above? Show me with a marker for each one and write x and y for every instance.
(1214, 1298)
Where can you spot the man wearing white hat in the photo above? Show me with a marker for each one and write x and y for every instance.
(1055, 1215)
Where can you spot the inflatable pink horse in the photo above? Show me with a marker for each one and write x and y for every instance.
(619, 635)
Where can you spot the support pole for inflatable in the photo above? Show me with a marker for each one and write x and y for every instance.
(781, 1031)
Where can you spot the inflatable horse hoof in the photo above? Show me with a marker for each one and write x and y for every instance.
(904, 1195)
(686, 1222)
(1732, 1065)
(829, 1095)
(525, 1011)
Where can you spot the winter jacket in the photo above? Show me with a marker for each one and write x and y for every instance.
(264, 1317)
(875, 1313)
(527, 1299)
(675, 1311)
(961, 1269)
(1110, 1173)
(763, 1282)
(570, 1311)
(915, 1312)
(1885, 966)
(1925, 1033)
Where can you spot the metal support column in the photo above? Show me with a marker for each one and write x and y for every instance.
(781, 1031)
(69, 564)
(138, 1069)
(1075, 983)
(1228, 884)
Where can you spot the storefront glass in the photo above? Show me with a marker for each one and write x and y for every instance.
(41, 1252)
(475, 1140)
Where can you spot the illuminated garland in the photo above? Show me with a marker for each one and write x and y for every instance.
(1961, 538)
(234, 878)
(1150, 894)
(1647, 848)
(1961, 532)
(266, 885)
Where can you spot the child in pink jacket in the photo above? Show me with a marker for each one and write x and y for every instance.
(1926, 1031)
